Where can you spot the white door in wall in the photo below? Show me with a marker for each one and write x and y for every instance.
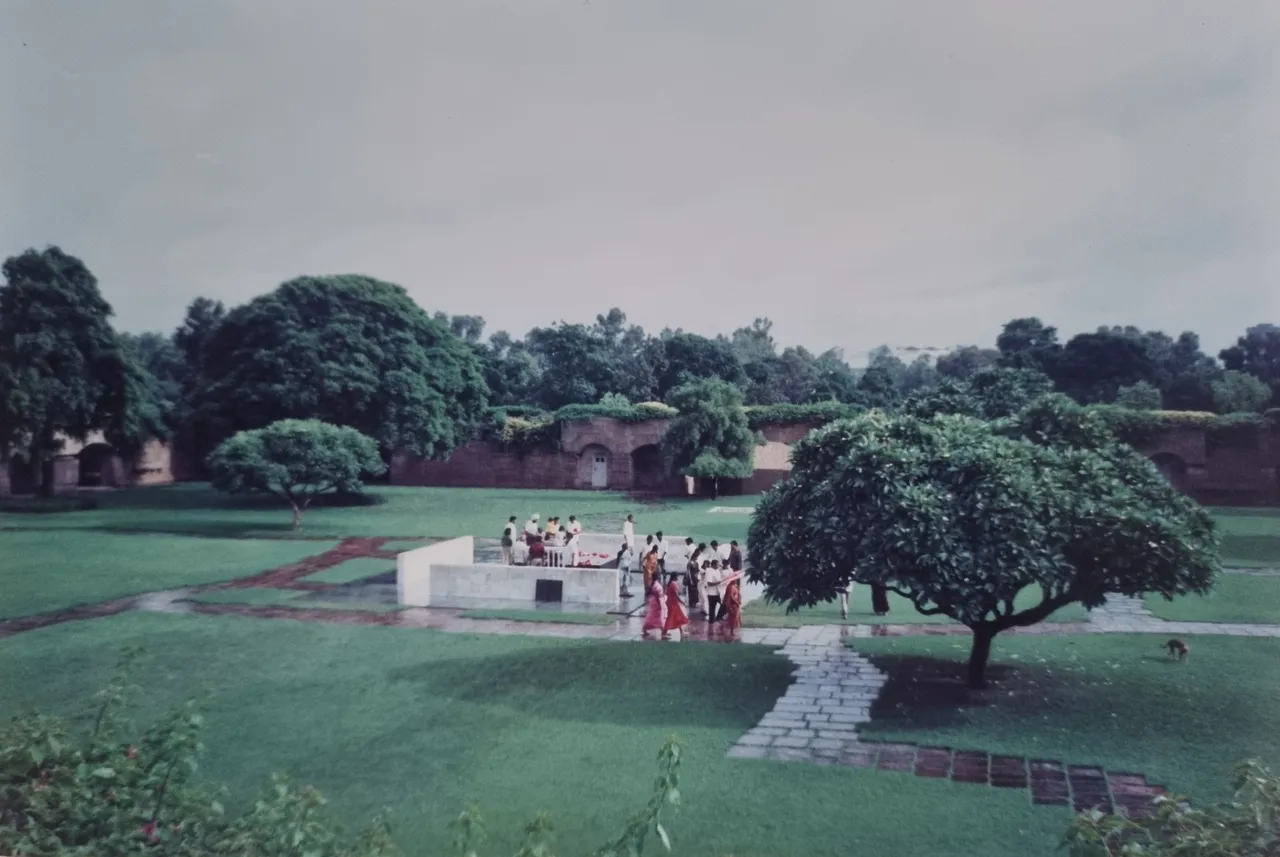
(599, 471)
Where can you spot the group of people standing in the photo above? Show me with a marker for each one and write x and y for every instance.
(538, 540)
(711, 580)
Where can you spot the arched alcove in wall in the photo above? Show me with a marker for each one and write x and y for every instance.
(96, 466)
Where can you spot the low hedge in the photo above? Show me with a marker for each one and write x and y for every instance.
(46, 505)
(759, 416)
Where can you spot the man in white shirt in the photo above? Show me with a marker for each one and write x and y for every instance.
(719, 552)
(509, 542)
(574, 527)
(711, 577)
(629, 532)
(662, 551)
(626, 558)
(531, 529)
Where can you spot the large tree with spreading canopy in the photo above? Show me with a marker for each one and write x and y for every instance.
(960, 516)
(64, 371)
(347, 350)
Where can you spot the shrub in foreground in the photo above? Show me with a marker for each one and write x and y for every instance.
(1245, 827)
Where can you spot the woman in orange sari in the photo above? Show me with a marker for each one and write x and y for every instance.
(733, 606)
(649, 565)
(676, 617)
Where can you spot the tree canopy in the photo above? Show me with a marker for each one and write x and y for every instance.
(63, 368)
(961, 516)
(709, 437)
(348, 350)
(295, 460)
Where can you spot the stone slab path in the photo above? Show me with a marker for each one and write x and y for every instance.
(817, 719)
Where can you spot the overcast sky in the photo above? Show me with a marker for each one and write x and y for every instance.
(912, 173)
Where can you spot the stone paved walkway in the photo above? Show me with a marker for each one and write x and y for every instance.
(816, 721)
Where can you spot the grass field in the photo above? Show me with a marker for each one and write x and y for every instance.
(428, 723)
(47, 570)
(352, 570)
(195, 509)
(1250, 537)
(762, 614)
(1235, 598)
(1112, 699)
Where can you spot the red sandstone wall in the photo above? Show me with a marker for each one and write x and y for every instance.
(483, 465)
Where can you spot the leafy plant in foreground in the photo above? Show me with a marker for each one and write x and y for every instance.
(1245, 827)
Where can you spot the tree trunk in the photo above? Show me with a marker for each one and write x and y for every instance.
(715, 488)
(297, 516)
(978, 657)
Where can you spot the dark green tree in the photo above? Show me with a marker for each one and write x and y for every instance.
(835, 380)
(1028, 343)
(1258, 353)
(1141, 396)
(710, 438)
(960, 518)
(510, 370)
(573, 366)
(348, 350)
(295, 460)
(962, 362)
(687, 356)
(63, 369)
(1239, 392)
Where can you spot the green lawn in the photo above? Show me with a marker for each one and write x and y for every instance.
(194, 508)
(1235, 598)
(352, 570)
(1250, 537)
(427, 723)
(554, 616)
(761, 614)
(1112, 699)
(49, 569)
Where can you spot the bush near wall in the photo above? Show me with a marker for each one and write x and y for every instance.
(818, 413)
(520, 429)
(1143, 428)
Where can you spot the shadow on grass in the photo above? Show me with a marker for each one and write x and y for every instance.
(928, 693)
(175, 497)
(660, 684)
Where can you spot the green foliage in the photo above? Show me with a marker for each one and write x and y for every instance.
(523, 435)
(295, 460)
(1248, 826)
(1257, 353)
(1144, 428)
(816, 414)
(960, 517)
(63, 369)
(627, 413)
(988, 394)
(348, 350)
(710, 436)
(1239, 392)
(105, 794)
(1142, 396)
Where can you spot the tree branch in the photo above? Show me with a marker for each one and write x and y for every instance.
(917, 602)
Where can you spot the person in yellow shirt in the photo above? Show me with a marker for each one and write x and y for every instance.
(553, 526)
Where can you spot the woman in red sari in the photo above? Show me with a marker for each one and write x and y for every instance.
(653, 611)
(733, 606)
(676, 617)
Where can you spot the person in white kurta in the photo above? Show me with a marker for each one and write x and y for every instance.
(574, 526)
(629, 532)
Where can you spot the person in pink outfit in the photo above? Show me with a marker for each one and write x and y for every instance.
(653, 612)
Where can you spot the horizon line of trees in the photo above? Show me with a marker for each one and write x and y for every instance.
(356, 351)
